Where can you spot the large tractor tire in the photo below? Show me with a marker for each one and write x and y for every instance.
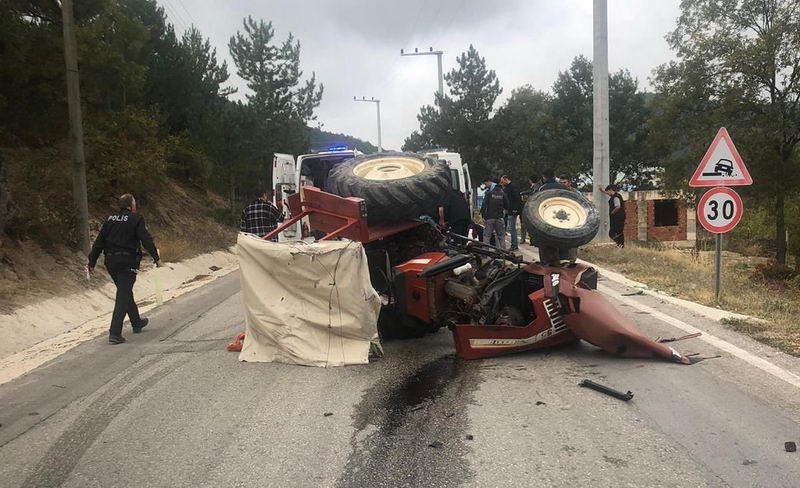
(560, 218)
(396, 186)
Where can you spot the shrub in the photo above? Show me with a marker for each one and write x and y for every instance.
(124, 153)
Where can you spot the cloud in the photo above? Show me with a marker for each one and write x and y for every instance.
(353, 46)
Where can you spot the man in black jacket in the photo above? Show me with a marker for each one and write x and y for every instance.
(495, 204)
(121, 239)
(533, 185)
(514, 208)
(455, 215)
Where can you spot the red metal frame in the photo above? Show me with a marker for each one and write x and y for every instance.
(422, 297)
(336, 216)
(476, 341)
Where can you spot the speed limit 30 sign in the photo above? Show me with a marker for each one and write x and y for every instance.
(719, 210)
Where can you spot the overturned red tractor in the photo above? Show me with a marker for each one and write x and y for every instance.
(491, 299)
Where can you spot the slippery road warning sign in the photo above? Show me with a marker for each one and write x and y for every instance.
(720, 210)
(722, 165)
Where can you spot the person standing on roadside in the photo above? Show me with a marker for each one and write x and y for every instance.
(121, 239)
(495, 203)
(564, 180)
(514, 208)
(455, 215)
(533, 183)
(260, 217)
(616, 212)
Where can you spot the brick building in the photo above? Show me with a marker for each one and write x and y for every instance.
(656, 216)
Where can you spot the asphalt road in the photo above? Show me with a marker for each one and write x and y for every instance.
(172, 408)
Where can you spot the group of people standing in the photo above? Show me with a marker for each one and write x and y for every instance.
(502, 205)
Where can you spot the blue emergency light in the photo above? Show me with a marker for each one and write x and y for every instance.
(340, 147)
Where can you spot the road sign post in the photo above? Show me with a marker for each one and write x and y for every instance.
(721, 208)
(718, 211)
(718, 268)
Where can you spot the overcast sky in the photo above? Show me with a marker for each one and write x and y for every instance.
(354, 46)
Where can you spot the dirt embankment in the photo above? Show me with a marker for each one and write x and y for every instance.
(38, 256)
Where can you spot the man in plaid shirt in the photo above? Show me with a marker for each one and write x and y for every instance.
(261, 216)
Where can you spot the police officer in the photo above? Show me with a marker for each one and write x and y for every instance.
(120, 239)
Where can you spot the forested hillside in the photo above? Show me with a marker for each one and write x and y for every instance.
(157, 106)
(161, 120)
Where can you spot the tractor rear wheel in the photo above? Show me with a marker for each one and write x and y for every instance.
(396, 186)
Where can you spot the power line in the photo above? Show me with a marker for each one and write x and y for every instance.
(174, 14)
(189, 14)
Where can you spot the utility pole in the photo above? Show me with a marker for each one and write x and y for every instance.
(600, 160)
(79, 193)
(430, 52)
(378, 106)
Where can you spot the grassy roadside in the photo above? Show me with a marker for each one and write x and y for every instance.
(749, 286)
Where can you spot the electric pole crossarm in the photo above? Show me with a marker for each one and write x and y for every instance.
(430, 52)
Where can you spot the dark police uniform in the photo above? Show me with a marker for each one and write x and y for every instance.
(120, 239)
(495, 203)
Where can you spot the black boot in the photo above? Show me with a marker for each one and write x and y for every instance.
(116, 339)
(141, 325)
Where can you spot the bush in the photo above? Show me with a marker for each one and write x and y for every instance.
(773, 273)
(124, 153)
(188, 163)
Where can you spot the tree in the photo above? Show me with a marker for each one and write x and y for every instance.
(461, 121)
(739, 66)
(281, 103)
(631, 162)
(273, 72)
(524, 125)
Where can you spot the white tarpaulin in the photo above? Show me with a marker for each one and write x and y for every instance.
(306, 303)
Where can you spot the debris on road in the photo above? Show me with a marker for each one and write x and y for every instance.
(696, 357)
(675, 339)
(327, 414)
(214, 268)
(539, 402)
(436, 445)
(606, 390)
(470, 437)
(790, 446)
(633, 293)
(236, 345)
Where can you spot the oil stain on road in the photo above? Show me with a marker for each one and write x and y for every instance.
(412, 430)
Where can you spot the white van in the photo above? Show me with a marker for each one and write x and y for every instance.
(459, 171)
(288, 175)
(312, 169)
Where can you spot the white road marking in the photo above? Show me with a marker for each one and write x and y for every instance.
(740, 353)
